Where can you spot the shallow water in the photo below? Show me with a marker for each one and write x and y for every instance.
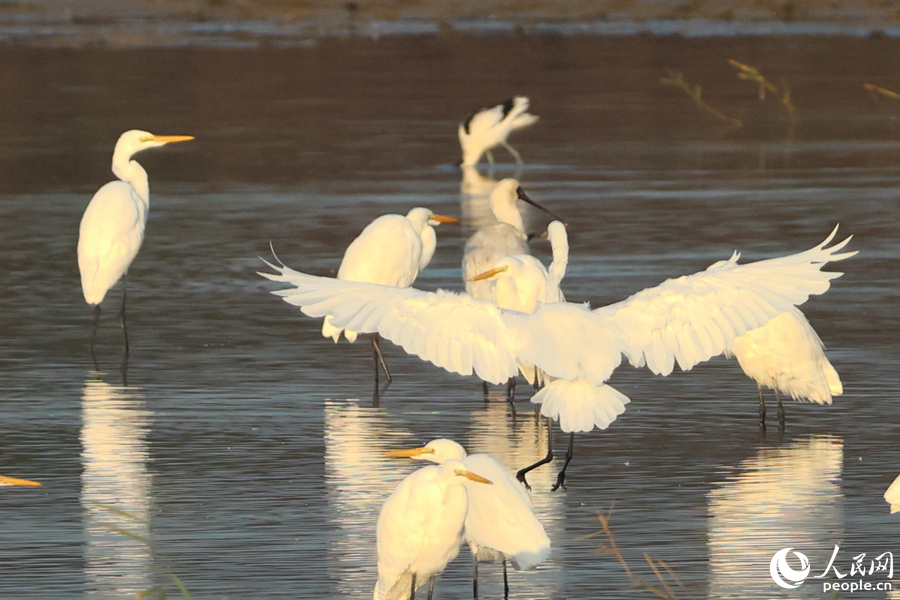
(242, 452)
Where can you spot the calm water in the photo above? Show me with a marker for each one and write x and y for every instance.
(242, 452)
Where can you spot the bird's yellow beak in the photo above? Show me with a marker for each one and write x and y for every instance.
(546, 235)
(409, 453)
(443, 219)
(14, 481)
(170, 139)
(489, 274)
(473, 477)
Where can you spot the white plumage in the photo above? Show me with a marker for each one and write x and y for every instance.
(112, 228)
(499, 240)
(489, 127)
(420, 528)
(786, 355)
(500, 523)
(892, 495)
(391, 250)
(685, 320)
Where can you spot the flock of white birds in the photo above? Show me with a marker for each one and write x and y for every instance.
(512, 319)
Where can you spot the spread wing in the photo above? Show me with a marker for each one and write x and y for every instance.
(693, 318)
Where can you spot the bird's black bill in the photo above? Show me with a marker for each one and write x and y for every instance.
(524, 198)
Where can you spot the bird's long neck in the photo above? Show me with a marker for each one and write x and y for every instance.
(557, 270)
(508, 213)
(131, 172)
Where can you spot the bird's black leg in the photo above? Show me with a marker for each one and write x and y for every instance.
(561, 478)
(430, 587)
(762, 409)
(94, 336)
(122, 319)
(379, 358)
(412, 588)
(485, 389)
(505, 582)
(538, 384)
(520, 475)
(475, 577)
(780, 412)
(511, 390)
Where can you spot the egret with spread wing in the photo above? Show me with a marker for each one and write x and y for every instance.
(420, 529)
(500, 523)
(490, 126)
(686, 321)
(112, 228)
(391, 250)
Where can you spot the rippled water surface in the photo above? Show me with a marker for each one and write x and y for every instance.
(242, 453)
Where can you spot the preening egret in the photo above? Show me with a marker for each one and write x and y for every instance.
(4, 481)
(112, 228)
(892, 495)
(786, 355)
(685, 321)
(500, 523)
(499, 240)
(490, 126)
(420, 529)
(391, 250)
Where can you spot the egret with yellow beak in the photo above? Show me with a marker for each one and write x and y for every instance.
(112, 228)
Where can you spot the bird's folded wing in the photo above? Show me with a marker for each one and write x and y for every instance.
(455, 332)
(693, 318)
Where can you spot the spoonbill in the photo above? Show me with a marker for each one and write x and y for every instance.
(682, 321)
(489, 127)
(391, 250)
(420, 529)
(112, 228)
(500, 522)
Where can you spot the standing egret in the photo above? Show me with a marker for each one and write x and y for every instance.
(786, 355)
(500, 523)
(490, 126)
(112, 228)
(686, 321)
(10, 481)
(420, 529)
(391, 250)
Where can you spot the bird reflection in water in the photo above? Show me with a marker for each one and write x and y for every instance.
(115, 491)
(358, 479)
(784, 497)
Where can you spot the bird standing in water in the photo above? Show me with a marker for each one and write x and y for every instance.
(112, 228)
(489, 127)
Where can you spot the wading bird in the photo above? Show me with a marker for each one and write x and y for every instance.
(500, 522)
(4, 481)
(892, 495)
(787, 356)
(391, 250)
(420, 529)
(686, 321)
(112, 228)
(489, 127)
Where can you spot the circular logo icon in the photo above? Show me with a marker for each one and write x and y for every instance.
(781, 570)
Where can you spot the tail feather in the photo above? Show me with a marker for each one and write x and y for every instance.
(579, 405)
(329, 330)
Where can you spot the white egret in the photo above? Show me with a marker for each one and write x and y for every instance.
(391, 250)
(787, 356)
(10, 481)
(112, 228)
(488, 127)
(500, 523)
(420, 529)
(686, 321)
(892, 495)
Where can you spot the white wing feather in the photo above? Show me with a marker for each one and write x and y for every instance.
(693, 318)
